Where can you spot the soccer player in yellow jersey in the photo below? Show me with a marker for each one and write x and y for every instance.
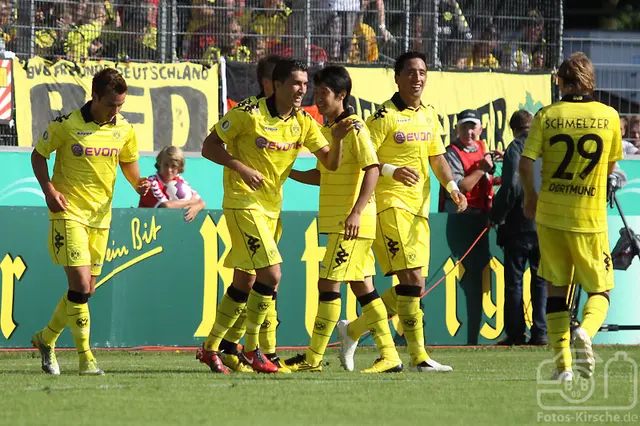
(229, 350)
(258, 144)
(407, 137)
(89, 144)
(579, 141)
(348, 215)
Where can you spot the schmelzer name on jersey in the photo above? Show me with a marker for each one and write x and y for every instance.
(576, 123)
(563, 188)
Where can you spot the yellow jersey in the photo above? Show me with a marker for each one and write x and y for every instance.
(339, 190)
(405, 137)
(577, 138)
(260, 138)
(87, 158)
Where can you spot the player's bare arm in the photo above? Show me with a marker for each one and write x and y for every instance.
(308, 177)
(214, 150)
(526, 177)
(442, 170)
(369, 181)
(131, 172)
(55, 200)
(405, 175)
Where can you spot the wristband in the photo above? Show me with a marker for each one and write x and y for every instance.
(452, 186)
(388, 169)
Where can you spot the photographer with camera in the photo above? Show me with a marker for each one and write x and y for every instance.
(472, 166)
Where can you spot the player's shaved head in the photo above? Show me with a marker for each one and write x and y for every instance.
(108, 81)
(577, 74)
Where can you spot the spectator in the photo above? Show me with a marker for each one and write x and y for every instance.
(519, 241)
(81, 41)
(229, 44)
(472, 168)
(634, 130)
(628, 148)
(333, 25)
(471, 164)
(169, 165)
(482, 51)
(365, 45)
(271, 21)
(527, 50)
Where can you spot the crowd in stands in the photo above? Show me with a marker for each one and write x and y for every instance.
(489, 34)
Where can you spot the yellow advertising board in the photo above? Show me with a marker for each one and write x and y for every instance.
(495, 95)
(168, 104)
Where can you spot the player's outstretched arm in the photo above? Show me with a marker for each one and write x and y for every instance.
(55, 200)
(309, 177)
(214, 150)
(526, 177)
(441, 169)
(369, 181)
(131, 172)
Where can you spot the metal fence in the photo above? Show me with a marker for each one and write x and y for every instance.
(500, 34)
(522, 35)
(616, 59)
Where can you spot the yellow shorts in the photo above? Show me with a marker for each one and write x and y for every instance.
(567, 256)
(347, 261)
(254, 240)
(74, 244)
(402, 241)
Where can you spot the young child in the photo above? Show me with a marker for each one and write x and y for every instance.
(169, 164)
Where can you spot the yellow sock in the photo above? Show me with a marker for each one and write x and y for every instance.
(267, 337)
(558, 330)
(594, 313)
(326, 319)
(359, 326)
(237, 330)
(410, 316)
(57, 323)
(257, 306)
(229, 309)
(377, 321)
(79, 321)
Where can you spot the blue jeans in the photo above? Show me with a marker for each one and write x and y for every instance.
(517, 251)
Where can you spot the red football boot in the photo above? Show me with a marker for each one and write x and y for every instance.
(260, 363)
(212, 359)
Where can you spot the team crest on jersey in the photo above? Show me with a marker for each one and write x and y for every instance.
(296, 129)
(399, 137)
(226, 124)
(116, 134)
(77, 149)
(261, 142)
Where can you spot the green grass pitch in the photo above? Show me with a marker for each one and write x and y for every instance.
(489, 386)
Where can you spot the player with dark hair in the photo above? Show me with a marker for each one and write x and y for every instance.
(579, 140)
(229, 349)
(258, 144)
(348, 216)
(406, 135)
(89, 143)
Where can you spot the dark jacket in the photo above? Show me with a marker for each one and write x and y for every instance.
(507, 210)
